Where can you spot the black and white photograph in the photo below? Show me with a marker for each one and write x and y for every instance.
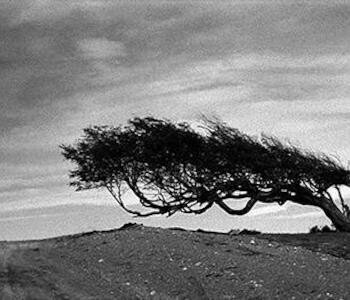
(174, 149)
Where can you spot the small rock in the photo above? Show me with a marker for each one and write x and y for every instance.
(127, 283)
(198, 264)
(255, 284)
(100, 260)
(184, 268)
(152, 293)
(252, 242)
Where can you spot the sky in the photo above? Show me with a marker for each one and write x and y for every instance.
(275, 67)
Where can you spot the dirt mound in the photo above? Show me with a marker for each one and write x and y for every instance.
(138, 262)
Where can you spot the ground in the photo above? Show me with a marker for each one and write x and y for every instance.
(138, 262)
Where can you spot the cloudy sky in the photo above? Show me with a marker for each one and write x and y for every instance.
(279, 67)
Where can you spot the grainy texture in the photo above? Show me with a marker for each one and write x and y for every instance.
(151, 263)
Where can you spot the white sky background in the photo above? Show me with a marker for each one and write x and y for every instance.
(261, 66)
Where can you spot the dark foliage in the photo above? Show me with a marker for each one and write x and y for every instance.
(314, 229)
(171, 167)
(249, 232)
(325, 228)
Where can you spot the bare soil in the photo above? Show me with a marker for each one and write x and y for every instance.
(138, 262)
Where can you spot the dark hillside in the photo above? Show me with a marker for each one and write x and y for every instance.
(138, 262)
(333, 243)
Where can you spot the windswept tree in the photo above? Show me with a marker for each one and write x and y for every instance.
(172, 168)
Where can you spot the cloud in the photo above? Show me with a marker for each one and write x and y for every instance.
(284, 61)
(7, 123)
(46, 88)
(311, 214)
(101, 48)
(22, 185)
(58, 197)
(266, 210)
(11, 219)
(262, 66)
(60, 41)
(29, 11)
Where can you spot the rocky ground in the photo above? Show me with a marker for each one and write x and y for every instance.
(138, 262)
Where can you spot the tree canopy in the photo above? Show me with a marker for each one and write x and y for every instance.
(171, 168)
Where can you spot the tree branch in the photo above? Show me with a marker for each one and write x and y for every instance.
(344, 206)
(136, 213)
(249, 205)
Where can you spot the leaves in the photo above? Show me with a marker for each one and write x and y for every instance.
(170, 167)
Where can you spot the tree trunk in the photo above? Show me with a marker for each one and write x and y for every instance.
(339, 220)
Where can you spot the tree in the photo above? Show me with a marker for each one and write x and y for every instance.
(172, 168)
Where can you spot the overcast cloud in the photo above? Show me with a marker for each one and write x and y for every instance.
(262, 66)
